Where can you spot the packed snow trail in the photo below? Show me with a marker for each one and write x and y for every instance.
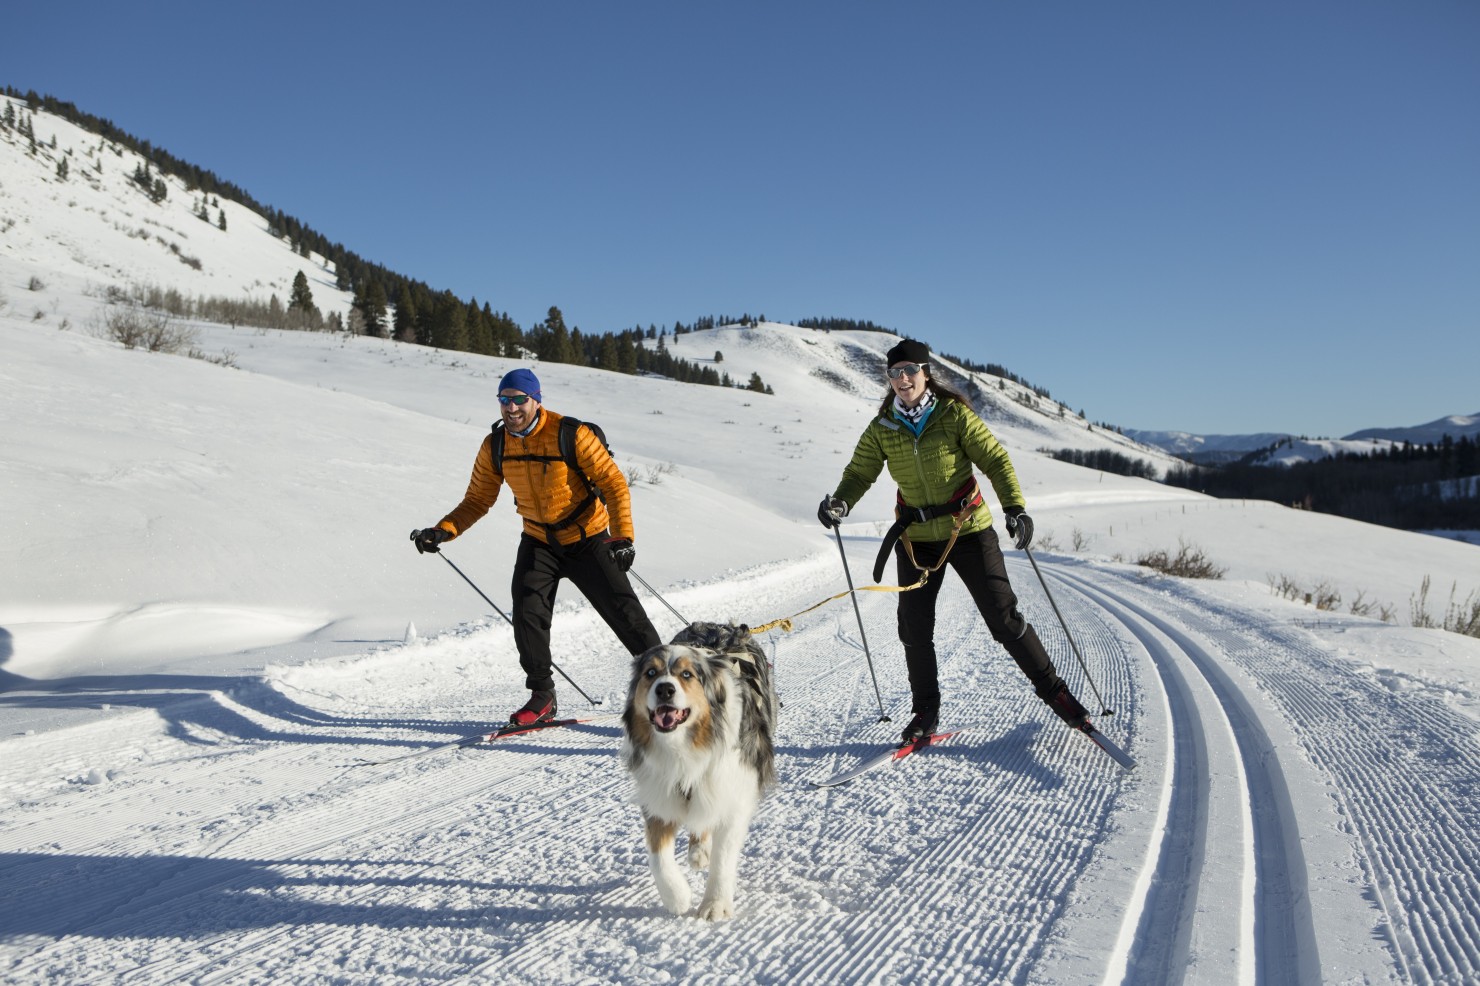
(1397, 772)
(226, 838)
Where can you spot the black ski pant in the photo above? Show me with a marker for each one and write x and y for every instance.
(538, 569)
(977, 559)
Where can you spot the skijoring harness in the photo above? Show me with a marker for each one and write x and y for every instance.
(960, 507)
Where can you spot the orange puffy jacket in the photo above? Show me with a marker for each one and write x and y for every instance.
(545, 492)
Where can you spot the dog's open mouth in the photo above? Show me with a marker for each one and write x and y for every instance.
(666, 718)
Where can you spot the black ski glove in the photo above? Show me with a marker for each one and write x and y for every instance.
(1020, 527)
(427, 540)
(623, 553)
(831, 510)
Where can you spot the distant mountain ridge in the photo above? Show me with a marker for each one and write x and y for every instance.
(1455, 426)
(1211, 450)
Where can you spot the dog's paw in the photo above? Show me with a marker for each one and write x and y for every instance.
(716, 910)
(698, 853)
(677, 897)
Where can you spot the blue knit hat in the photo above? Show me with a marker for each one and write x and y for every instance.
(522, 379)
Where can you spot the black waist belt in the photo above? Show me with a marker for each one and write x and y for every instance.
(964, 501)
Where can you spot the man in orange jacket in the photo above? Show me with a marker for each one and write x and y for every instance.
(569, 533)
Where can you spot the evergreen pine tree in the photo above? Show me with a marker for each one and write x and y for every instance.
(607, 358)
(302, 296)
(371, 305)
(480, 330)
(555, 345)
(403, 322)
(627, 355)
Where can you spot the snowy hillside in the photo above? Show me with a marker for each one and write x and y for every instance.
(210, 614)
(1288, 449)
(1454, 425)
(1278, 449)
(1206, 449)
(97, 229)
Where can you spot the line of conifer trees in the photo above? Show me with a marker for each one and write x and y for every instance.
(1107, 460)
(1414, 487)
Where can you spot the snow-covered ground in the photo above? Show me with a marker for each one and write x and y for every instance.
(210, 611)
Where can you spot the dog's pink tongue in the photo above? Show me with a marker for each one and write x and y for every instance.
(667, 718)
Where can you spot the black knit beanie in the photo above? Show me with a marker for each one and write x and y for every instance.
(908, 351)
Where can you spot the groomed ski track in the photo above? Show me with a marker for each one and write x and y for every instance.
(995, 858)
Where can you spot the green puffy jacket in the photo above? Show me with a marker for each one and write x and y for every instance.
(930, 468)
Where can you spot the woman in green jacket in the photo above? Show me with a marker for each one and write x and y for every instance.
(930, 439)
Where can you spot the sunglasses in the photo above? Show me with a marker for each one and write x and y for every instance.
(518, 400)
(895, 372)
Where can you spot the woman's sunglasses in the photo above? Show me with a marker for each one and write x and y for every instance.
(895, 372)
(517, 400)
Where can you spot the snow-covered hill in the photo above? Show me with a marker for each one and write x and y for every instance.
(1453, 425)
(1287, 449)
(209, 610)
(97, 230)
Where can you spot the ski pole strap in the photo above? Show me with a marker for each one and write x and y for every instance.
(785, 622)
(962, 505)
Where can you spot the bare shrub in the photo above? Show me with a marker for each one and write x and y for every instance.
(1418, 607)
(1079, 539)
(35, 284)
(1189, 563)
(1459, 617)
(1463, 617)
(150, 330)
(1285, 587)
(226, 359)
(1324, 597)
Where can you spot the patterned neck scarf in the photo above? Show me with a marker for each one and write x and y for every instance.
(915, 417)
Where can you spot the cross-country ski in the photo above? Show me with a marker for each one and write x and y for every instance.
(482, 739)
(893, 755)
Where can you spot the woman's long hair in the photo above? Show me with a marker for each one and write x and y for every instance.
(940, 390)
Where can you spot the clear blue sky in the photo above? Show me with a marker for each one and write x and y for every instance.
(1213, 217)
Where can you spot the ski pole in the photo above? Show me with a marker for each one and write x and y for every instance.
(853, 595)
(633, 572)
(1104, 709)
(509, 621)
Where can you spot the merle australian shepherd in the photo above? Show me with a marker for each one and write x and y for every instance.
(699, 731)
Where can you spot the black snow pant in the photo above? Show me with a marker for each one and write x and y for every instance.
(977, 559)
(538, 569)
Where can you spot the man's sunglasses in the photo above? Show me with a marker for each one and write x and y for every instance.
(517, 400)
(895, 372)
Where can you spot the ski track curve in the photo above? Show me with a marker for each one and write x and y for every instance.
(1398, 767)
